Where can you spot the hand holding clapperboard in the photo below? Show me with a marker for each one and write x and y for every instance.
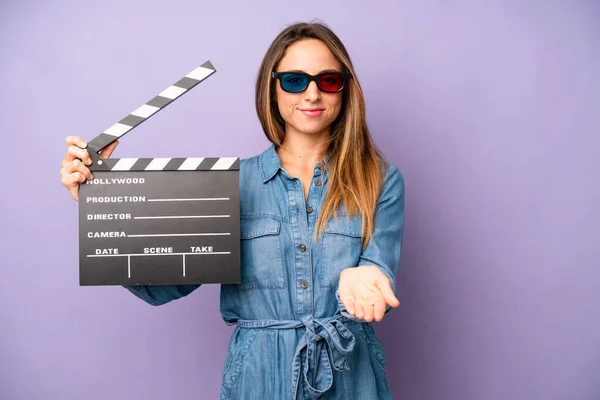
(145, 221)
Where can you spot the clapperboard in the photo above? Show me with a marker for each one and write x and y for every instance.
(157, 221)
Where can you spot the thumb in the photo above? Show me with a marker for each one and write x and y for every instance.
(345, 293)
(387, 292)
(108, 150)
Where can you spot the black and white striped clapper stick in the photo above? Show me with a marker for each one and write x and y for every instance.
(143, 113)
(159, 221)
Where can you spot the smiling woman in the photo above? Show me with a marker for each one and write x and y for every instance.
(322, 218)
(304, 107)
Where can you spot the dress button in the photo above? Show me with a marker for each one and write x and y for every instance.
(318, 182)
(304, 284)
(309, 209)
(302, 248)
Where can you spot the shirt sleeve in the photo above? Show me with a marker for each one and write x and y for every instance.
(157, 295)
(384, 248)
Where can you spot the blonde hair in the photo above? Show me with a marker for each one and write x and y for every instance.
(354, 164)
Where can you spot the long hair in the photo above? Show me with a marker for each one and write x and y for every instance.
(354, 165)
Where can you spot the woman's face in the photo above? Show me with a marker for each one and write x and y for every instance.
(310, 112)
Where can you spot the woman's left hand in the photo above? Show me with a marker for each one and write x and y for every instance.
(366, 292)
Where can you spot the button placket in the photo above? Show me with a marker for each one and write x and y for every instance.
(297, 209)
(314, 194)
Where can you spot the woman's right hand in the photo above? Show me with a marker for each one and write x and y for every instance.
(74, 170)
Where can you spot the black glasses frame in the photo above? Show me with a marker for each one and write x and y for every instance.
(310, 78)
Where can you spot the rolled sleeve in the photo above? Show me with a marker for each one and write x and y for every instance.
(158, 295)
(384, 248)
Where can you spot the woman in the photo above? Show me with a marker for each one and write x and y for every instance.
(321, 231)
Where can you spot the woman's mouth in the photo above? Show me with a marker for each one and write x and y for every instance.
(312, 112)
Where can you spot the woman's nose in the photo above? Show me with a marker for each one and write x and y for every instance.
(312, 92)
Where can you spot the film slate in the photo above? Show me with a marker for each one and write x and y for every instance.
(159, 221)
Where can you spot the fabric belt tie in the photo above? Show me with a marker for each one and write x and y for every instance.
(326, 343)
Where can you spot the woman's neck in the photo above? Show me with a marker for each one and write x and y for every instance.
(303, 151)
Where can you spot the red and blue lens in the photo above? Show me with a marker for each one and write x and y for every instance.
(297, 82)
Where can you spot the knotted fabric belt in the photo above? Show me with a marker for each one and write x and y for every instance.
(326, 343)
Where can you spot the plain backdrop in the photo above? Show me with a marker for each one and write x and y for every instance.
(489, 108)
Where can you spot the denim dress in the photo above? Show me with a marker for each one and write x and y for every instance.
(293, 338)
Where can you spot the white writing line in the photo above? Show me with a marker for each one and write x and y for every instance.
(184, 216)
(181, 234)
(157, 254)
(200, 199)
(128, 266)
(184, 265)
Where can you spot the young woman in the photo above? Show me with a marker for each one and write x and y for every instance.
(322, 217)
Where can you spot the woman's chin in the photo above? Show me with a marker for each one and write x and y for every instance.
(312, 129)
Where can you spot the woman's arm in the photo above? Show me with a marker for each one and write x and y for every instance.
(369, 290)
(158, 295)
(385, 246)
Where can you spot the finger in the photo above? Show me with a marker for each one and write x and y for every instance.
(349, 304)
(108, 150)
(77, 166)
(75, 141)
(360, 310)
(379, 309)
(80, 177)
(387, 293)
(368, 307)
(71, 181)
(346, 296)
(344, 286)
(74, 152)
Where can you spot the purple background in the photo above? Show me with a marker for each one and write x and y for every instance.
(490, 109)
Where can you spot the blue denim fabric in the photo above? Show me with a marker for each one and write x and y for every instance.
(293, 339)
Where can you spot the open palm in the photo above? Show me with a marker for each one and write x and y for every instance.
(366, 292)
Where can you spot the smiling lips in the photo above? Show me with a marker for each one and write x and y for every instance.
(312, 112)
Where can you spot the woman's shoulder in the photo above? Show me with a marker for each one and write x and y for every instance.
(251, 163)
(246, 162)
(260, 166)
(249, 168)
(251, 160)
(393, 179)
